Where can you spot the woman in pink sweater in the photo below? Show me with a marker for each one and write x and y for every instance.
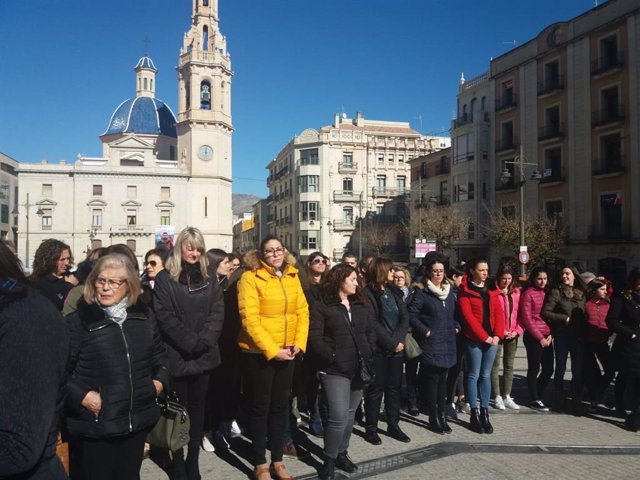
(537, 337)
(509, 300)
(597, 346)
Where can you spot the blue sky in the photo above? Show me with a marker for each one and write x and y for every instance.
(65, 65)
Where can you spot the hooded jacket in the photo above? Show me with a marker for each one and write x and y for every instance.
(471, 309)
(511, 321)
(273, 308)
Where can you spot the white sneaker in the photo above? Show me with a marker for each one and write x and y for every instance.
(498, 403)
(466, 408)
(509, 403)
(206, 445)
(234, 430)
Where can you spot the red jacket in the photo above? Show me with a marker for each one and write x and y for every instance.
(597, 329)
(531, 303)
(470, 303)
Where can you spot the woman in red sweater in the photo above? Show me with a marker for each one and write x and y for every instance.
(597, 338)
(483, 326)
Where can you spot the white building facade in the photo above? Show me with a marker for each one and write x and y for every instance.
(324, 181)
(157, 172)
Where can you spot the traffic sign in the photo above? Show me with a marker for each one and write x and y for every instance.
(523, 257)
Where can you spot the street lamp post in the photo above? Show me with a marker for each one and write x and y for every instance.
(506, 176)
(27, 205)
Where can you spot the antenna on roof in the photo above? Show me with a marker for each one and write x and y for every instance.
(419, 118)
(512, 42)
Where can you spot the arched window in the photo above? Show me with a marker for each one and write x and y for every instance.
(205, 38)
(187, 91)
(483, 104)
(151, 83)
(145, 83)
(205, 3)
(205, 96)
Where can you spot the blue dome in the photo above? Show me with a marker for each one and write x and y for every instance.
(146, 62)
(143, 115)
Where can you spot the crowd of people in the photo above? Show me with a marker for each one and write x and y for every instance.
(247, 344)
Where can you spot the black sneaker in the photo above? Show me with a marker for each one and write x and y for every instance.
(398, 434)
(538, 405)
(343, 462)
(373, 438)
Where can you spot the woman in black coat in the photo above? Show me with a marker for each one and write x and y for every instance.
(190, 311)
(432, 314)
(33, 355)
(624, 319)
(391, 325)
(116, 370)
(340, 333)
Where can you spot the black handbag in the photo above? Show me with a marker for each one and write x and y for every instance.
(365, 371)
(172, 430)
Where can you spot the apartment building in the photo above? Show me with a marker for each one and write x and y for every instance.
(8, 197)
(328, 188)
(568, 102)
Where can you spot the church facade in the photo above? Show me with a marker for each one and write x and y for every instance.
(158, 173)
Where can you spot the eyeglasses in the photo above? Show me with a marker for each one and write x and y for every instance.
(398, 277)
(273, 252)
(319, 260)
(153, 263)
(110, 282)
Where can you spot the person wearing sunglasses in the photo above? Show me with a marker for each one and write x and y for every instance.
(153, 263)
(189, 308)
(275, 326)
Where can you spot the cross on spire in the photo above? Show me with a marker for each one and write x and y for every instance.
(146, 45)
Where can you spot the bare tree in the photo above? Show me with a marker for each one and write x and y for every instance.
(445, 224)
(544, 236)
(377, 238)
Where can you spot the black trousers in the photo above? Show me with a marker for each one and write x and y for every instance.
(537, 357)
(223, 407)
(113, 458)
(269, 384)
(597, 381)
(388, 382)
(433, 382)
(191, 392)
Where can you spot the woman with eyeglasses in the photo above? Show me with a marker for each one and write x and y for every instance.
(189, 308)
(275, 326)
(117, 367)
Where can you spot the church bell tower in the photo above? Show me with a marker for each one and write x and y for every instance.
(204, 125)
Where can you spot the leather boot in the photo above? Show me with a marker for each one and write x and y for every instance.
(443, 421)
(435, 424)
(476, 426)
(193, 467)
(177, 469)
(576, 404)
(328, 469)
(484, 420)
(559, 401)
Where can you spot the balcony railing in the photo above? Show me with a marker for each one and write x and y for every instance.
(553, 130)
(610, 165)
(508, 101)
(342, 225)
(388, 191)
(347, 167)
(551, 84)
(613, 114)
(609, 233)
(607, 63)
(550, 175)
(464, 157)
(509, 143)
(346, 196)
(464, 119)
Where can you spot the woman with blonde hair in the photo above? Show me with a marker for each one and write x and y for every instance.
(189, 309)
(117, 367)
(275, 326)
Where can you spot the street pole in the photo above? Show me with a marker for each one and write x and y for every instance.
(523, 268)
(26, 246)
(360, 231)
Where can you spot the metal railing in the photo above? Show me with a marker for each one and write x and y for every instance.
(607, 63)
(605, 116)
(551, 84)
(553, 130)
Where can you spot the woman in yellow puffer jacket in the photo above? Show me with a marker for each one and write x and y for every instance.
(275, 326)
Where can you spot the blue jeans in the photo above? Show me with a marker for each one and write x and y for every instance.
(480, 358)
(342, 401)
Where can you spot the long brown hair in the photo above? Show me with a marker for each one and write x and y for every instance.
(378, 272)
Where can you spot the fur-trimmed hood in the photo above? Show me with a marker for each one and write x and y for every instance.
(253, 261)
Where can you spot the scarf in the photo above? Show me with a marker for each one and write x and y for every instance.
(441, 292)
(190, 274)
(116, 313)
